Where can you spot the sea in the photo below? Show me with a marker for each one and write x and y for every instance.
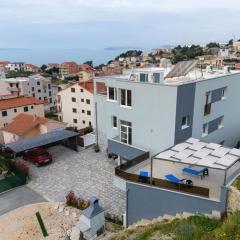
(44, 56)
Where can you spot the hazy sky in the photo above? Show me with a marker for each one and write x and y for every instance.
(103, 23)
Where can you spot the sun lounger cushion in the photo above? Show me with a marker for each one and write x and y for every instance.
(144, 174)
(193, 172)
(172, 178)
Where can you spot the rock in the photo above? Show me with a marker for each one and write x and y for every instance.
(75, 233)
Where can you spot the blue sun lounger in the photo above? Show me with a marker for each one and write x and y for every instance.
(173, 179)
(143, 174)
(202, 172)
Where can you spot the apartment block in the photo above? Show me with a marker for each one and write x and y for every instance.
(75, 105)
(69, 69)
(35, 86)
(15, 66)
(151, 110)
(85, 73)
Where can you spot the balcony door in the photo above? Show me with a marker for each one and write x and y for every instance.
(126, 132)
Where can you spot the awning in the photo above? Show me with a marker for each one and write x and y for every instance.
(41, 140)
(125, 151)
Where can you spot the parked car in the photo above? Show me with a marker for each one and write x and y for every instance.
(38, 156)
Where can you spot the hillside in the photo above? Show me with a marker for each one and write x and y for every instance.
(192, 228)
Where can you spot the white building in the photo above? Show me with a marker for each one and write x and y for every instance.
(15, 66)
(35, 85)
(75, 105)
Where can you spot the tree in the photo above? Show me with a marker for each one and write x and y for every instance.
(43, 67)
(90, 63)
(213, 45)
(230, 43)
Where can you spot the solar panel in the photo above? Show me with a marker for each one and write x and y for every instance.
(166, 155)
(220, 152)
(184, 154)
(181, 146)
(190, 160)
(198, 145)
(182, 69)
(202, 152)
(227, 160)
(208, 161)
(235, 151)
(192, 140)
(213, 145)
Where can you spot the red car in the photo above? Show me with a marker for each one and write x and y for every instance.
(38, 156)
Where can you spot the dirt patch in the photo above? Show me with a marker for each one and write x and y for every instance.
(22, 224)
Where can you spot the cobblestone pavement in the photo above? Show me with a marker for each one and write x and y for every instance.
(86, 173)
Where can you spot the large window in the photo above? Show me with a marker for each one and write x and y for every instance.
(72, 89)
(126, 98)
(4, 113)
(205, 129)
(114, 122)
(112, 94)
(73, 99)
(25, 109)
(74, 110)
(143, 77)
(126, 132)
(185, 122)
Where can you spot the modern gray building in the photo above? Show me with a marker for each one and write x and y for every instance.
(147, 110)
(150, 110)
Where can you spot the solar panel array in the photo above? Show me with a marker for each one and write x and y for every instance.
(194, 151)
(182, 69)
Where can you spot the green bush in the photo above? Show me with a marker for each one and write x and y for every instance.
(42, 226)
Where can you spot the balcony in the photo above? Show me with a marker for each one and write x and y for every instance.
(13, 89)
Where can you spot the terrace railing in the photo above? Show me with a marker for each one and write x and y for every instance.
(195, 190)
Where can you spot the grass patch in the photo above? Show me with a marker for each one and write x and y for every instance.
(236, 183)
(52, 116)
(41, 223)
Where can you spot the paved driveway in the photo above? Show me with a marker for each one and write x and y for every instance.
(86, 173)
(17, 198)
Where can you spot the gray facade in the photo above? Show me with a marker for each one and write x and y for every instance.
(146, 202)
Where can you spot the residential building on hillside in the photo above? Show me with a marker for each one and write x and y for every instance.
(35, 85)
(15, 66)
(27, 125)
(75, 105)
(108, 71)
(68, 69)
(236, 45)
(31, 68)
(12, 106)
(3, 64)
(53, 65)
(192, 177)
(153, 109)
(85, 73)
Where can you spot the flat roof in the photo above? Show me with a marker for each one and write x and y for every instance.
(196, 152)
(41, 140)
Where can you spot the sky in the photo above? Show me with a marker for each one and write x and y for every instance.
(97, 24)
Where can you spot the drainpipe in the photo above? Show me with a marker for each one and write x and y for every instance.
(96, 122)
(151, 170)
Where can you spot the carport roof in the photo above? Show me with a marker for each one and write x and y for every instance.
(41, 140)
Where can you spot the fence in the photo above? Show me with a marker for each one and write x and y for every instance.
(195, 190)
(18, 178)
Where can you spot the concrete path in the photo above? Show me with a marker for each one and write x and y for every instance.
(17, 198)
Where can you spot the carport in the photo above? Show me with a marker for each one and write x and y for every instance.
(64, 137)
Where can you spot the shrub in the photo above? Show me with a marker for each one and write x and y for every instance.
(74, 201)
(113, 218)
(22, 166)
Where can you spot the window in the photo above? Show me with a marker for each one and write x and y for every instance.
(114, 122)
(73, 99)
(40, 98)
(205, 129)
(208, 97)
(81, 90)
(220, 123)
(126, 98)
(126, 132)
(112, 94)
(4, 113)
(143, 77)
(83, 111)
(207, 107)
(33, 89)
(90, 124)
(49, 86)
(223, 93)
(50, 100)
(74, 110)
(89, 113)
(74, 120)
(185, 122)
(88, 101)
(83, 122)
(38, 83)
(25, 109)
(32, 107)
(33, 94)
(49, 94)
(15, 110)
(39, 90)
(72, 89)
(82, 100)
(11, 85)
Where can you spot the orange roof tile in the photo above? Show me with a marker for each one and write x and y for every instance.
(23, 123)
(88, 85)
(18, 102)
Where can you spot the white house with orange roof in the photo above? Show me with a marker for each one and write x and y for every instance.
(27, 125)
(75, 105)
(86, 72)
